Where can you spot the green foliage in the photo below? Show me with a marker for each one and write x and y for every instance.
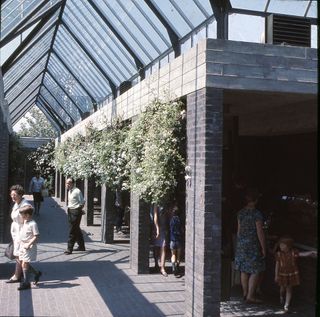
(42, 159)
(156, 146)
(36, 125)
(16, 156)
(148, 156)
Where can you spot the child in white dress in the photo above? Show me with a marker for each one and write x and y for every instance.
(29, 234)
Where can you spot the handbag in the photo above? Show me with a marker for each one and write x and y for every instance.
(8, 252)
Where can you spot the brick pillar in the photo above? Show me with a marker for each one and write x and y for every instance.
(57, 185)
(107, 214)
(88, 194)
(63, 189)
(4, 168)
(139, 235)
(203, 203)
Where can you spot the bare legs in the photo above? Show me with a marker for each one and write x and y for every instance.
(249, 284)
(175, 260)
(163, 261)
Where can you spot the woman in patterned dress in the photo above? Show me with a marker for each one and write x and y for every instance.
(286, 270)
(251, 246)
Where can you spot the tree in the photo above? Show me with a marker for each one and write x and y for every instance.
(36, 125)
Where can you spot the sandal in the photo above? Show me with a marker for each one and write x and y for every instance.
(164, 273)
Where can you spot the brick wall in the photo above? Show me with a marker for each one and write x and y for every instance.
(139, 235)
(203, 209)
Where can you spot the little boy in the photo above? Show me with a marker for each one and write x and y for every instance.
(29, 234)
(175, 240)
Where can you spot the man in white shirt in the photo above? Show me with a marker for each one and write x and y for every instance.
(75, 205)
(35, 187)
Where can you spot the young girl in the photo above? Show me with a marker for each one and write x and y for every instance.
(29, 234)
(286, 270)
(175, 240)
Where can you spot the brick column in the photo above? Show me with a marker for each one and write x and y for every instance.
(57, 185)
(63, 189)
(4, 167)
(139, 235)
(107, 214)
(203, 203)
(88, 193)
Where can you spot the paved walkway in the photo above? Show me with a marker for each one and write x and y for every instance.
(99, 281)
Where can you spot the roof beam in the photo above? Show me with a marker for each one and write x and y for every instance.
(220, 9)
(174, 38)
(15, 57)
(25, 72)
(75, 77)
(52, 110)
(57, 101)
(23, 25)
(137, 60)
(111, 83)
(62, 88)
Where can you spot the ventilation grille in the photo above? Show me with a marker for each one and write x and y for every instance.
(288, 30)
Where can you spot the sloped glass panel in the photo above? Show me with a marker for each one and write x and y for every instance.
(15, 73)
(54, 104)
(88, 38)
(16, 108)
(313, 10)
(23, 84)
(70, 84)
(288, 7)
(62, 98)
(35, 83)
(12, 12)
(82, 67)
(255, 5)
(129, 30)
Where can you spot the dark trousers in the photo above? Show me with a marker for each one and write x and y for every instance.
(75, 233)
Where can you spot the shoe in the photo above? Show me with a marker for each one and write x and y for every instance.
(67, 252)
(164, 273)
(37, 277)
(13, 281)
(24, 286)
(80, 249)
(286, 308)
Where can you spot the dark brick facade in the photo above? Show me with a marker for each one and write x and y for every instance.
(88, 193)
(4, 167)
(203, 205)
(107, 215)
(139, 235)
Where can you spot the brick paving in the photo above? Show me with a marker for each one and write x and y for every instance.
(99, 281)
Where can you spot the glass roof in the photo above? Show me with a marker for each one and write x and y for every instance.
(68, 56)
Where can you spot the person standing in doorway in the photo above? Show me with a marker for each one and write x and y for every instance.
(75, 206)
(35, 187)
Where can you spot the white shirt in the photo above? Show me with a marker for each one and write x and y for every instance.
(28, 231)
(75, 198)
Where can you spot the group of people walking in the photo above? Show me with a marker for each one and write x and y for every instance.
(25, 233)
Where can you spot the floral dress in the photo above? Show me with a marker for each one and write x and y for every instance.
(248, 257)
(288, 274)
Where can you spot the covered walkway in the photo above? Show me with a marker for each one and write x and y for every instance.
(99, 281)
